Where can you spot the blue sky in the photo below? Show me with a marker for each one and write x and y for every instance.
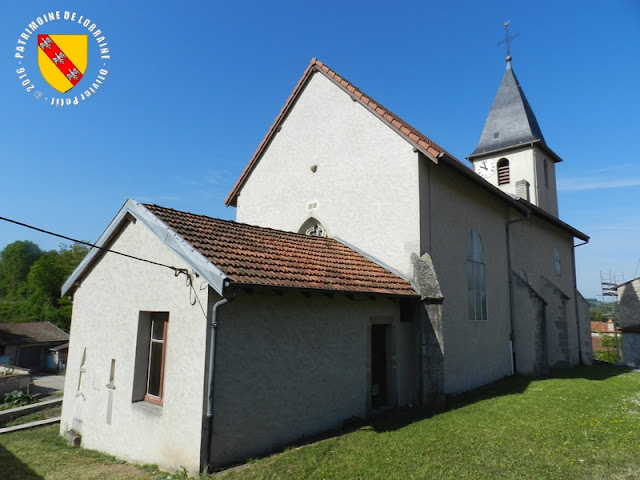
(193, 87)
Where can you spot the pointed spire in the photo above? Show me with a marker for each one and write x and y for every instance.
(511, 121)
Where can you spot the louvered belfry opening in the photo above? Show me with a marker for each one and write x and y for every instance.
(503, 171)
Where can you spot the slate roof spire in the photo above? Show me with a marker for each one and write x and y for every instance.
(511, 121)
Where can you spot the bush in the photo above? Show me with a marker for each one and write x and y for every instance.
(17, 398)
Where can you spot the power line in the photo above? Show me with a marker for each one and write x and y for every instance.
(92, 245)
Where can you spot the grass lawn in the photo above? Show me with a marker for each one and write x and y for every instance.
(581, 424)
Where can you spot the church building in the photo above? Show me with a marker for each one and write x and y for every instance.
(368, 268)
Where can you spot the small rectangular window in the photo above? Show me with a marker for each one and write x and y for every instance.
(157, 343)
(151, 349)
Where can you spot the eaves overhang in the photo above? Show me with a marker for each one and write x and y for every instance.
(541, 143)
(187, 253)
(323, 291)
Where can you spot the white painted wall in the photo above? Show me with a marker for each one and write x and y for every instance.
(366, 182)
(106, 309)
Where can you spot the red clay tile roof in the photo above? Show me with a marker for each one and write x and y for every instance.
(31, 332)
(601, 327)
(251, 255)
(413, 135)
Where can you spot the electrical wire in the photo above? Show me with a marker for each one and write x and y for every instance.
(177, 270)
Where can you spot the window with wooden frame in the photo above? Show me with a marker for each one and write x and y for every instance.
(157, 351)
(151, 350)
(503, 171)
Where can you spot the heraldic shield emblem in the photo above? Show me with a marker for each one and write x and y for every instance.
(63, 59)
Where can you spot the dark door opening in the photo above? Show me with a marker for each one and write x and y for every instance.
(379, 377)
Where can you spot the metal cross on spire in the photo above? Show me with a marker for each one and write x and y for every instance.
(507, 39)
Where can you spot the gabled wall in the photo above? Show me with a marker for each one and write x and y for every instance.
(106, 312)
(365, 183)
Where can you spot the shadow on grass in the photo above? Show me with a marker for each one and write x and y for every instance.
(392, 420)
(13, 469)
(397, 419)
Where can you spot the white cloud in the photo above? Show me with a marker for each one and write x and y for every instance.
(591, 183)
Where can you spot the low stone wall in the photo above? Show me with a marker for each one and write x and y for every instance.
(13, 378)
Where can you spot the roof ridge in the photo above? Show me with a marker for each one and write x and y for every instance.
(402, 127)
(234, 222)
(382, 110)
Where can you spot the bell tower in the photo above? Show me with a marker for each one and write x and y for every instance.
(512, 153)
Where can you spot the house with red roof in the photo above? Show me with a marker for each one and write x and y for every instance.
(28, 344)
(368, 269)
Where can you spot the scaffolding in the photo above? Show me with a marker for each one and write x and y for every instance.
(609, 282)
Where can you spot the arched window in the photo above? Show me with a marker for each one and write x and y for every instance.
(476, 284)
(503, 171)
(313, 228)
(556, 261)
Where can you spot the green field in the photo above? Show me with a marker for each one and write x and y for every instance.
(580, 424)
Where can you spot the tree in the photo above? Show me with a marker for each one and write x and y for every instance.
(45, 280)
(35, 295)
(15, 261)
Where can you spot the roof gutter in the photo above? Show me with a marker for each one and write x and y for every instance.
(575, 289)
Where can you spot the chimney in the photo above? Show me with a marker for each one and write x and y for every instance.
(522, 189)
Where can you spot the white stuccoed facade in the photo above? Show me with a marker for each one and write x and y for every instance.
(365, 184)
(106, 313)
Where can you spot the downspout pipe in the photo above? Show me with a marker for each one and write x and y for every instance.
(509, 273)
(575, 289)
(213, 337)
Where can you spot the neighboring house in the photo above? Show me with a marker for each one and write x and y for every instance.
(600, 330)
(629, 298)
(27, 344)
(57, 359)
(381, 272)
